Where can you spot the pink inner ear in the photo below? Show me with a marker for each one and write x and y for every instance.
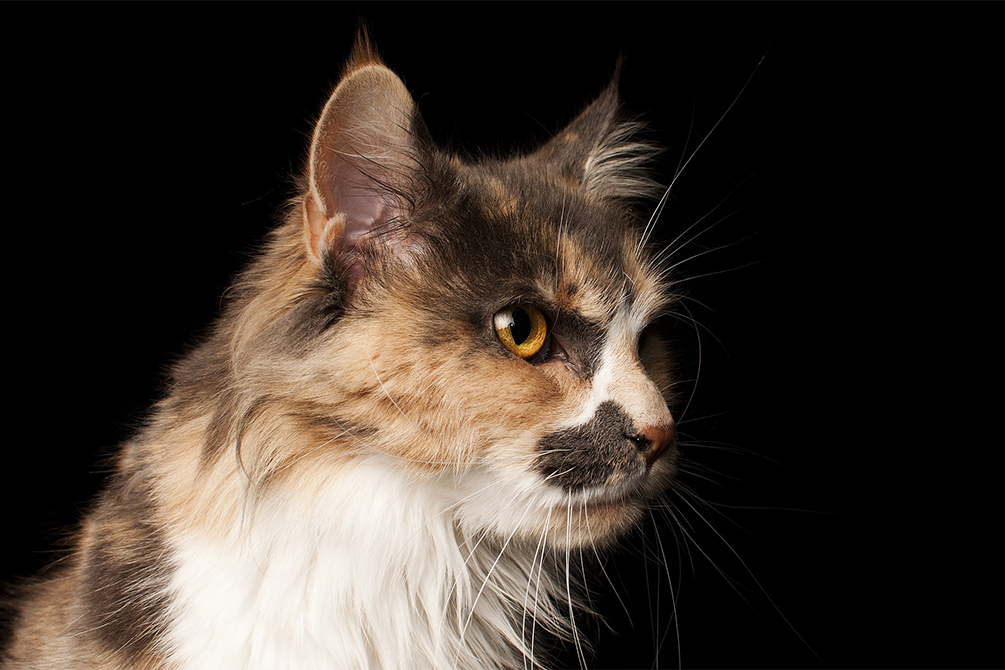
(366, 205)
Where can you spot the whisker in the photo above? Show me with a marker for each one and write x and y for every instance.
(568, 587)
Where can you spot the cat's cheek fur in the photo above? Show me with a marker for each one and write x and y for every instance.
(392, 392)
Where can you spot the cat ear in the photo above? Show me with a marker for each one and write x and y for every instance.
(599, 151)
(362, 165)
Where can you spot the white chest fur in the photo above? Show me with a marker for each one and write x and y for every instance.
(372, 574)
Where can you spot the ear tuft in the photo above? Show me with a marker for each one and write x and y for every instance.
(364, 52)
(602, 152)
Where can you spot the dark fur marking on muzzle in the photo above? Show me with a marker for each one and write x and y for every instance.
(590, 454)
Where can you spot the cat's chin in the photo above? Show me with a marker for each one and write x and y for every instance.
(602, 516)
(533, 512)
(593, 523)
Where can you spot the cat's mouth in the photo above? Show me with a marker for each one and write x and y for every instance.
(608, 511)
(616, 498)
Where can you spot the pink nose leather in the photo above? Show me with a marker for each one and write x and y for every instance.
(658, 439)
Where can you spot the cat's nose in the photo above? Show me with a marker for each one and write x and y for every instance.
(654, 441)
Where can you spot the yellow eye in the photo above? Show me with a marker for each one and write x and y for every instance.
(522, 329)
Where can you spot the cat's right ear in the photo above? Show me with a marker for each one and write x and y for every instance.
(363, 163)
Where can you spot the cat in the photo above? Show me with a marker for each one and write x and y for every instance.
(437, 383)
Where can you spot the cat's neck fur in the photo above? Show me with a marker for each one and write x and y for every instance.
(377, 554)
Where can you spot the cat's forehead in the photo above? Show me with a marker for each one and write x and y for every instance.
(577, 253)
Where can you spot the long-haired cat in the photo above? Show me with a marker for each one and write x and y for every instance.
(435, 384)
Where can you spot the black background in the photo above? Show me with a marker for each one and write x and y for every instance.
(846, 332)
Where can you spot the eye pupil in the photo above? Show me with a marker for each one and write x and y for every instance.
(520, 326)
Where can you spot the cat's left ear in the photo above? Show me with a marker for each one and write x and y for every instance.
(600, 151)
(363, 167)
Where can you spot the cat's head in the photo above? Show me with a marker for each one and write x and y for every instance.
(481, 326)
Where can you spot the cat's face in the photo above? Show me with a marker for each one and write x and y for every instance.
(574, 423)
(484, 326)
